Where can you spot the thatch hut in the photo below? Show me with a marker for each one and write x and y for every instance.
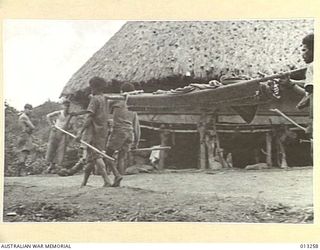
(164, 55)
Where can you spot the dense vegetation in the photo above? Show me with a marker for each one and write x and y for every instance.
(36, 163)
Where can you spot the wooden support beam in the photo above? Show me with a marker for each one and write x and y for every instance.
(283, 155)
(281, 137)
(218, 130)
(269, 148)
(213, 157)
(164, 138)
(202, 148)
(219, 150)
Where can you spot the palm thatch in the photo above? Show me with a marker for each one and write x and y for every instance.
(168, 54)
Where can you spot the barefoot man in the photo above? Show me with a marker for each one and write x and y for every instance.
(95, 129)
(305, 87)
(125, 133)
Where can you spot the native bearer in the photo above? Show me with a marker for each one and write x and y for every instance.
(125, 133)
(25, 144)
(305, 87)
(58, 140)
(95, 129)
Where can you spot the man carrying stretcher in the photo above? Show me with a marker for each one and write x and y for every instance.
(125, 133)
(95, 129)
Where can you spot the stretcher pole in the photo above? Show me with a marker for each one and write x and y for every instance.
(150, 149)
(289, 119)
(87, 144)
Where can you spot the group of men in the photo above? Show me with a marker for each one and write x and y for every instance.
(125, 133)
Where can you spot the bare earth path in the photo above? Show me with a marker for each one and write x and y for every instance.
(272, 195)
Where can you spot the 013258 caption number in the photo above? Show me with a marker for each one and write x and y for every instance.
(309, 246)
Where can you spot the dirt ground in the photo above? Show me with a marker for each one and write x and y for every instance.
(255, 196)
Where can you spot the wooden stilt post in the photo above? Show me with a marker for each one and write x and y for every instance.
(281, 136)
(219, 150)
(213, 159)
(202, 148)
(269, 148)
(164, 138)
(283, 156)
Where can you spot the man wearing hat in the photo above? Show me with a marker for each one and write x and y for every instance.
(57, 140)
(25, 144)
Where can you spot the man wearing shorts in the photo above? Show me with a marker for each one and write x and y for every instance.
(95, 129)
(125, 133)
(25, 144)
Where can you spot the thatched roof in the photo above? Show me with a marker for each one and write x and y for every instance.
(162, 53)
